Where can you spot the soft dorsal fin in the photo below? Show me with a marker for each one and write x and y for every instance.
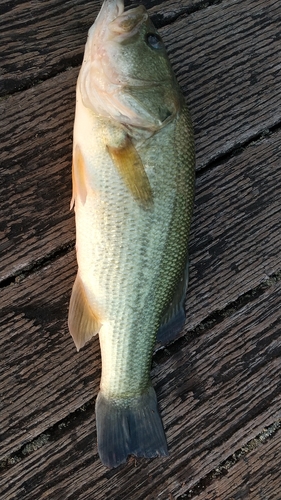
(83, 322)
(129, 165)
(174, 317)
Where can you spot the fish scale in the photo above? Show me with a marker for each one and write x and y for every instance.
(133, 182)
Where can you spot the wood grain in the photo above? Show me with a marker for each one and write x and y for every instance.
(234, 247)
(255, 477)
(216, 390)
(216, 393)
(229, 52)
(40, 39)
(42, 376)
(35, 188)
(35, 150)
(235, 241)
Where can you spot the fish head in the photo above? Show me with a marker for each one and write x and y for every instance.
(126, 75)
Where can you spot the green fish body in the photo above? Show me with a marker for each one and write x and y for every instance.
(133, 183)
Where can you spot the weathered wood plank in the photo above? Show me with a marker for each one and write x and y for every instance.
(234, 247)
(40, 39)
(216, 392)
(42, 379)
(235, 243)
(35, 152)
(35, 188)
(229, 52)
(255, 477)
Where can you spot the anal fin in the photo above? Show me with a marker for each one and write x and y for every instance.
(83, 322)
(174, 317)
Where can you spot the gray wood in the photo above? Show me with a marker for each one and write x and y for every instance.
(234, 247)
(256, 476)
(35, 188)
(235, 242)
(227, 59)
(216, 392)
(218, 386)
(39, 39)
(35, 151)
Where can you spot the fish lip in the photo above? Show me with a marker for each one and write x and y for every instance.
(110, 10)
(114, 22)
(128, 23)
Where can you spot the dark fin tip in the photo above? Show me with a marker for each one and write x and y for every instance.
(174, 317)
(129, 427)
(169, 332)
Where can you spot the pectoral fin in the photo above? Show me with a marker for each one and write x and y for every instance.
(131, 169)
(174, 317)
(78, 177)
(83, 322)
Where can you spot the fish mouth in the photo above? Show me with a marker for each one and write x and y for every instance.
(114, 21)
(128, 23)
(114, 16)
(110, 10)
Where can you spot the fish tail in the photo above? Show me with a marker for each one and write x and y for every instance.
(129, 427)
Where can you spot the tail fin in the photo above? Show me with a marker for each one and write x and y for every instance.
(129, 427)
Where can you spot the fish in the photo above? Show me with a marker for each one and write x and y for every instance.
(133, 191)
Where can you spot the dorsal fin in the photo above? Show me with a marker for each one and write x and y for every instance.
(174, 317)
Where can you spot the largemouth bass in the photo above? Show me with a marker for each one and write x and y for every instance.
(133, 183)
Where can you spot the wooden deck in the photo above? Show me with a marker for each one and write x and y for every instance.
(218, 385)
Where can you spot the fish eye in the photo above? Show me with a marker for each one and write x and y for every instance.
(154, 41)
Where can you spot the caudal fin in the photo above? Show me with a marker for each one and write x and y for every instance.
(131, 427)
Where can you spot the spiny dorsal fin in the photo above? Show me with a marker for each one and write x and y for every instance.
(131, 169)
(83, 322)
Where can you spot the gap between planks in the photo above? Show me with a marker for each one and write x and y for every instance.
(252, 473)
(197, 445)
(34, 66)
(62, 250)
(226, 261)
(36, 170)
(161, 355)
